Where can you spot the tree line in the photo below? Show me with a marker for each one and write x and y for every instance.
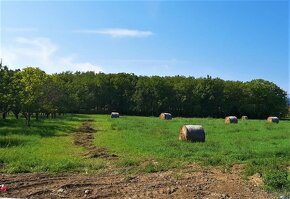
(33, 93)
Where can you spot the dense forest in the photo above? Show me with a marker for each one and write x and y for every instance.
(32, 92)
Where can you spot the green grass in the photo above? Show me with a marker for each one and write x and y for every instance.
(150, 144)
(46, 146)
(147, 144)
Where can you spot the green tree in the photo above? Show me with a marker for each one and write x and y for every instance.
(145, 97)
(266, 99)
(33, 82)
(31, 91)
(6, 90)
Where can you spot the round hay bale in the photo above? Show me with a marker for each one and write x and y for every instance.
(165, 116)
(231, 120)
(115, 115)
(193, 133)
(244, 117)
(272, 119)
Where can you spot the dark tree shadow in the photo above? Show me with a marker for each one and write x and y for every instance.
(44, 127)
(10, 142)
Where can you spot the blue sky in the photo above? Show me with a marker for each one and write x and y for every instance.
(233, 40)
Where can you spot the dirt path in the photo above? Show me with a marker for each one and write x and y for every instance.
(193, 182)
(190, 182)
(84, 137)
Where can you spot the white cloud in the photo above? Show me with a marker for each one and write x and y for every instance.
(43, 53)
(145, 66)
(118, 32)
(70, 62)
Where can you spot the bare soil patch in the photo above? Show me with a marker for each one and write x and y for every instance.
(192, 182)
(84, 137)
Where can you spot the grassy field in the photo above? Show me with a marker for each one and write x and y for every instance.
(46, 146)
(147, 144)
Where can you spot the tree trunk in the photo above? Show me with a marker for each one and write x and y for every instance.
(16, 113)
(28, 119)
(4, 115)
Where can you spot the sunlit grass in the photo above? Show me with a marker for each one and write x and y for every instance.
(144, 144)
(148, 144)
(46, 146)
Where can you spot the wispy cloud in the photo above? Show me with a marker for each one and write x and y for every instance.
(43, 53)
(14, 29)
(118, 32)
(145, 66)
(69, 62)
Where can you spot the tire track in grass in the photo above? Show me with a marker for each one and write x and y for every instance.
(84, 136)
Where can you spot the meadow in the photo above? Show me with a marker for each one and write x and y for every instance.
(147, 144)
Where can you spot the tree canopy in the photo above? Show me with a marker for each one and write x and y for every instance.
(31, 91)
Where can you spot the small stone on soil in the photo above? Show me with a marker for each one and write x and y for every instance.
(61, 190)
